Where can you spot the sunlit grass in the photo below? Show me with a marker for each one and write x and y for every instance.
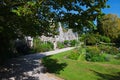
(83, 70)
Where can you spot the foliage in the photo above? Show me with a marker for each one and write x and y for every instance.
(95, 55)
(117, 56)
(82, 52)
(93, 49)
(77, 54)
(36, 44)
(93, 38)
(102, 38)
(19, 18)
(73, 42)
(92, 53)
(109, 49)
(74, 55)
(82, 37)
(109, 25)
(70, 42)
(60, 45)
(45, 47)
(113, 50)
(105, 39)
(82, 9)
(90, 39)
(78, 70)
(67, 43)
(100, 53)
(40, 46)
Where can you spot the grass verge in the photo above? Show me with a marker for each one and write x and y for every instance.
(81, 70)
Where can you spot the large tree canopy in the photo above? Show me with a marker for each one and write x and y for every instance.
(32, 17)
(109, 25)
(77, 13)
(21, 17)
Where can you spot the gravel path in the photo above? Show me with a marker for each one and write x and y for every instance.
(28, 67)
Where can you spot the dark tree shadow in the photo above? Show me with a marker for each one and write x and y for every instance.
(20, 68)
(52, 65)
(103, 76)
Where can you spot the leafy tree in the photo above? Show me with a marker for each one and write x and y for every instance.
(19, 18)
(109, 25)
(78, 13)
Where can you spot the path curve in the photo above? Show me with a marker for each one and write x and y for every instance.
(28, 67)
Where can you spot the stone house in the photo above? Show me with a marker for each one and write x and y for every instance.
(62, 36)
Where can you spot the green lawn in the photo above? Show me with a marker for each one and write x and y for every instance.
(81, 70)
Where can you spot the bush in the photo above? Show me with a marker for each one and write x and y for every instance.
(117, 56)
(109, 49)
(40, 46)
(113, 50)
(93, 49)
(36, 44)
(104, 48)
(105, 39)
(67, 43)
(73, 42)
(82, 38)
(60, 45)
(91, 53)
(82, 53)
(108, 57)
(94, 54)
(99, 58)
(45, 47)
(90, 39)
(51, 45)
(77, 54)
(70, 43)
(73, 55)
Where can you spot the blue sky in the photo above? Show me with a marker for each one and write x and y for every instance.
(114, 7)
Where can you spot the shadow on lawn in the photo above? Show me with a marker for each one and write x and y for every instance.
(103, 76)
(52, 65)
